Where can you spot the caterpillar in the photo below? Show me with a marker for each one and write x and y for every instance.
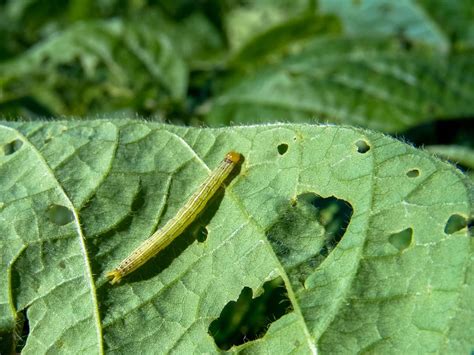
(176, 225)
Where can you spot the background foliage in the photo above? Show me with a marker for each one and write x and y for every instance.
(404, 68)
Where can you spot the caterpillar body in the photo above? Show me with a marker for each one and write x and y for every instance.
(176, 225)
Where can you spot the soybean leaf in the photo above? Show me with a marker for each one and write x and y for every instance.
(405, 19)
(368, 235)
(454, 18)
(365, 82)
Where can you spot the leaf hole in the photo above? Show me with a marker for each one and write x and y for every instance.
(21, 331)
(307, 230)
(362, 146)
(282, 148)
(201, 234)
(413, 173)
(59, 215)
(334, 214)
(401, 240)
(249, 318)
(455, 223)
(12, 147)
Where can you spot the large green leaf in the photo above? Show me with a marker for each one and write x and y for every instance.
(405, 18)
(370, 83)
(77, 197)
(365, 18)
(285, 37)
(244, 22)
(454, 18)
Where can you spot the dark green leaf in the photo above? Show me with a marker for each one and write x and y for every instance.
(370, 83)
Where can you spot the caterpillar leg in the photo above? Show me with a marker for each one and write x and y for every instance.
(115, 275)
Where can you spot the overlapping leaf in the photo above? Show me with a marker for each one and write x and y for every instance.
(370, 83)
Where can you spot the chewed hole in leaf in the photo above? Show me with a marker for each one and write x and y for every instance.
(282, 148)
(307, 231)
(21, 331)
(455, 223)
(59, 215)
(201, 234)
(248, 318)
(12, 147)
(401, 240)
(12, 341)
(413, 173)
(362, 146)
(334, 214)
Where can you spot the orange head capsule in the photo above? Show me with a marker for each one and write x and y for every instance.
(232, 157)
